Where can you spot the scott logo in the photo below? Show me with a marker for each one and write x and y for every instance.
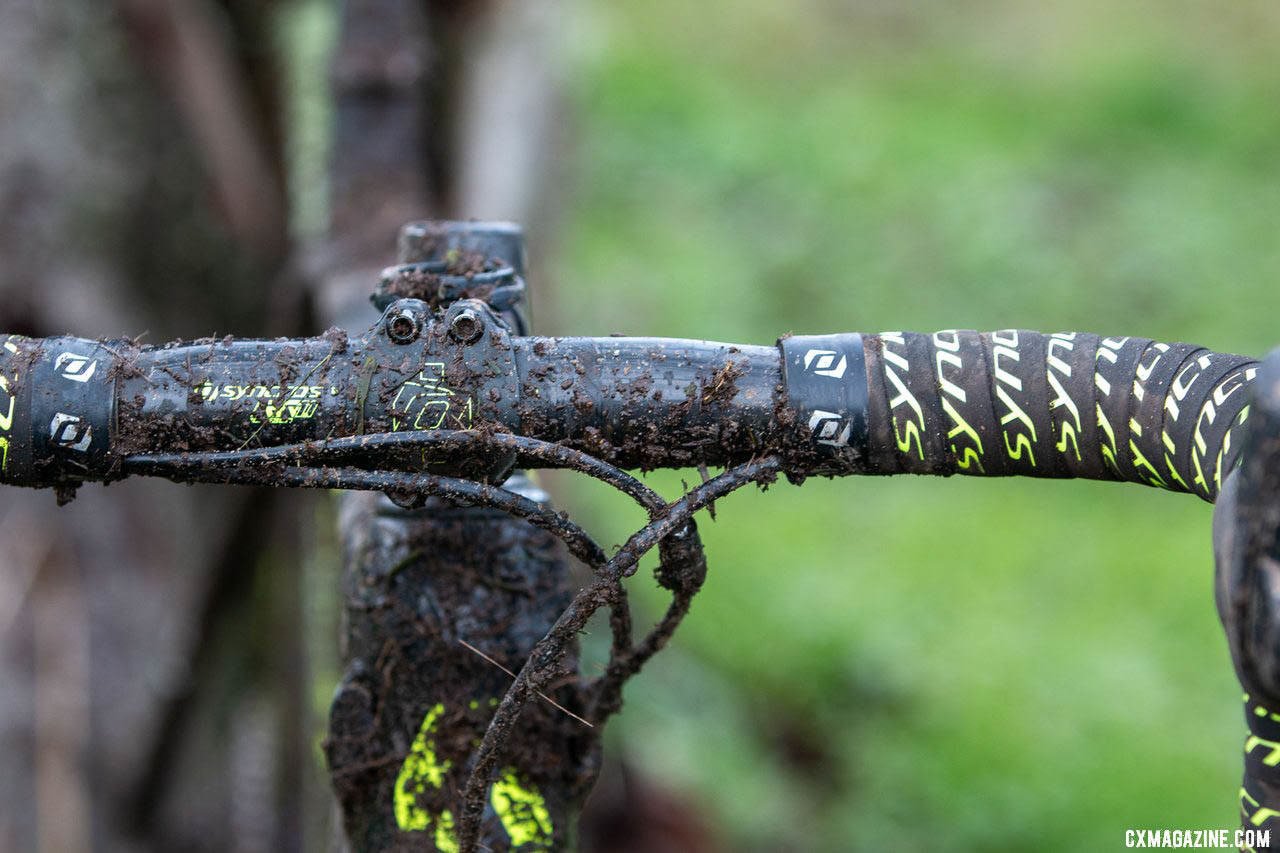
(423, 402)
(77, 368)
(826, 427)
(823, 363)
(69, 431)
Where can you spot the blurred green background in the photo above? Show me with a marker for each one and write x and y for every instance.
(916, 663)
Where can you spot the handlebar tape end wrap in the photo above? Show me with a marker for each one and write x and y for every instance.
(57, 398)
(825, 382)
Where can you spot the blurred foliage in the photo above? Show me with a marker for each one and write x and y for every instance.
(924, 664)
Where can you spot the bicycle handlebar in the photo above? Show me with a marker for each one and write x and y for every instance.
(987, 404)
(1060, 405)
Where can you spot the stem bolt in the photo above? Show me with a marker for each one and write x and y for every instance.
(402, 327)
(466, 327)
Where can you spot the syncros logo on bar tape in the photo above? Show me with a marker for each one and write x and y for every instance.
(1062, 405)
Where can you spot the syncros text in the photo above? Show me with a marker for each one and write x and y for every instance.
(273, 404)
(209, 392)
(1062, 405)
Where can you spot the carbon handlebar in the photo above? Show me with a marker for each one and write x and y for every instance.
(986, 404)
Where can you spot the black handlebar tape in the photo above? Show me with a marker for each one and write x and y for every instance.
(1260, 787)
(826, 408)
(56, 409)
(1059, 405)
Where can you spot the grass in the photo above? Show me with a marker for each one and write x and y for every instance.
(922, 664)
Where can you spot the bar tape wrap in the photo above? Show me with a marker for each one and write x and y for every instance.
(1015, 402)
(1066, 404)
(56, 408)
(825, 377)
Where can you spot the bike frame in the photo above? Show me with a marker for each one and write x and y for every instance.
(432, 564)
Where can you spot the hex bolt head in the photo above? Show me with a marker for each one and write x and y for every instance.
(402, 327)
(466, 327)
